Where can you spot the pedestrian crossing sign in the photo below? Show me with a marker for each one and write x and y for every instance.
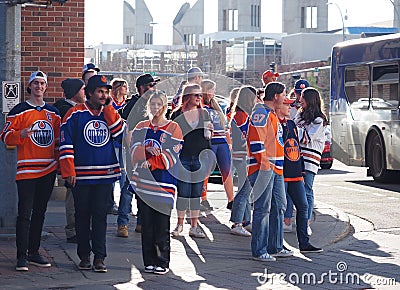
(11, 95)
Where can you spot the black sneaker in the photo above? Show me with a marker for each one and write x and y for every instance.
(85, 264)
(99, 266)
(22, 265)
(160, 270)
(311, 249)
(229, 205)
(38, 260)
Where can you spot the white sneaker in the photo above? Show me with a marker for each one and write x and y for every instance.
(283, 253)
(287, 228)
(265, 258)
(309, 231)
(249, 228)
(176, 232)
(197, 232)
(239, 230)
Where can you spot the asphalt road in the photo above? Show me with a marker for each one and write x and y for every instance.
(349, 188)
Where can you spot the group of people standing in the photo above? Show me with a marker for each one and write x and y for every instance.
(97, 135)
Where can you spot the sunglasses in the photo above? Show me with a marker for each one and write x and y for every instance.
(197, 95)
(151, 85)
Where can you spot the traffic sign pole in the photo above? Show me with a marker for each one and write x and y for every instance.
(10, 68)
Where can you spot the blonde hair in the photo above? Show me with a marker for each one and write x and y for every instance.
(207, 85)
(116, 84)
(157, 95)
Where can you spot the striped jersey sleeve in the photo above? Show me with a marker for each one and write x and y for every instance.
(264, 141)
(158, 183)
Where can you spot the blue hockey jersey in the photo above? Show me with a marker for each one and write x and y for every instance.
(86, 144)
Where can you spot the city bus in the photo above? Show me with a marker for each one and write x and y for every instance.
(364, 105)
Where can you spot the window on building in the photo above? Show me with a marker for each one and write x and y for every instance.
(255, 16)
(233, 19)
(309, 17)
(224, 19)
(148, 38)
(190, 38)
(129, 39)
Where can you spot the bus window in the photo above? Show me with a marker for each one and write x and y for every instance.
(385, 87)
(357, 86)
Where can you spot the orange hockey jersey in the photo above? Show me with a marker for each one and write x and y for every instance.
(265, 141)
(37, 154)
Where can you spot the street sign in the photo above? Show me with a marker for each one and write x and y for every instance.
(11, 95)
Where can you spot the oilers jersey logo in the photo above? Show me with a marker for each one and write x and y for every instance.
(43, 133)
(152, 143)
(96, 133)
(214, 116)
(292, 149)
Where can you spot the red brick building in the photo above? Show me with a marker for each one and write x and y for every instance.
(52, 40)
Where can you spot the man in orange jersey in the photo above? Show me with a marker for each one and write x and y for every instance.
(265, 169)
(34, 127)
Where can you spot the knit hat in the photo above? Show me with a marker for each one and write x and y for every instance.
(71, 87)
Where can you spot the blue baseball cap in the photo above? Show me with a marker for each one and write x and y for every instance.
(300, 85)
(89, 67)
(97, 81)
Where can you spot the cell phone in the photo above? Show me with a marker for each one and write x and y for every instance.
(108, 101)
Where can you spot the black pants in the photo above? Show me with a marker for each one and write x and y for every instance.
(33, 195)
(91, 207)
(155, 234)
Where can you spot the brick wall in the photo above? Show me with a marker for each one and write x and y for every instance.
(52, 40)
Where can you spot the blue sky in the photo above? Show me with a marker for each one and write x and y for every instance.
(108, 29)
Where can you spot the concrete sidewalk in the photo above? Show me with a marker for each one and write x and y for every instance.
(220, 261)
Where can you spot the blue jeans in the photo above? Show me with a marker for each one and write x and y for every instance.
(125, 205)
(262, 183)
(308, 185)
(241, 209)
(278, 208)
(190, 184)
(289, 207)
(298, 194)
(119, 152)
(223, 157)
(91, 218)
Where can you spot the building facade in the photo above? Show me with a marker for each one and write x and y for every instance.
(304, 16)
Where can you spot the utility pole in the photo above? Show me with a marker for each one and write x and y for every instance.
(10, 70)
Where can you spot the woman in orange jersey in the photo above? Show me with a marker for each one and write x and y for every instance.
(155, 148)
(34, 127)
